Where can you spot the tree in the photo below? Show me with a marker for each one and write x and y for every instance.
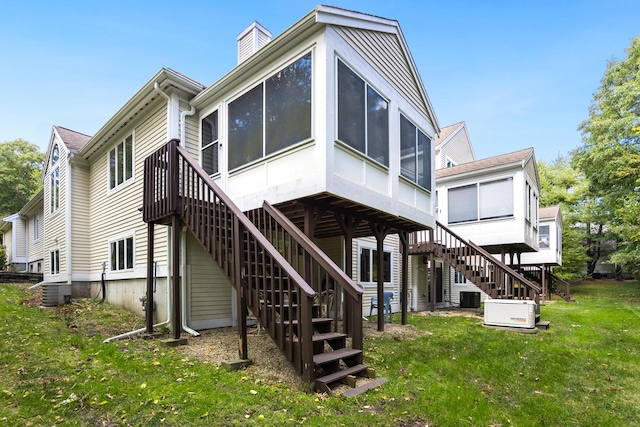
(610, 155)
(20, 167)
(561, 184)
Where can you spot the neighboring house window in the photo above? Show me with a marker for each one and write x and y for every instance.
(449, 163)
(369, 266)
(36, 227)
(39, 267)
(209, 143)
(31, 268)
(486, 200)
(122, 254)
(121, 162)
(363, 117)
(415, 154)
(54, 261)
(543, 237)
(271, 116)
(459, 279)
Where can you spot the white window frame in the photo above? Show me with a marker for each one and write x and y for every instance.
(458, 278)
(36, 227)
(448, 163)
(54, 181)
(419, 131)
(113, 243)
(372, 248)
(477, 186)
(215, 142)
(54, 261)
(125, 181)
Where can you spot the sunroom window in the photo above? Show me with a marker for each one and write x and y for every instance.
(209, 144)
(271, 116)
(415, 154)
(363, 116)
(485, 200)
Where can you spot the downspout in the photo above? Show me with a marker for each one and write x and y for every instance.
(183, 115)
(172, 126)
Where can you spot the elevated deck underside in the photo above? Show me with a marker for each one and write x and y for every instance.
(329, 205)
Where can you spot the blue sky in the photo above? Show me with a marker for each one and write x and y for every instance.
(520, 73)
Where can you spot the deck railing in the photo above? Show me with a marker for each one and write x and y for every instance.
(555, 284)
(271, 287)
(474, 263)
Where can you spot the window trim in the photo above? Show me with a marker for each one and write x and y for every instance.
(115, 240)
(431, 159)
(54, 190)
(36, 227)
(372, 248)
(54, 257)
(477, 185)
(367, 85)
(218, 111)
(126, 181)
(224, 128)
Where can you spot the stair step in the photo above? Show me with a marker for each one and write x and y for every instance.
(365, 387)
(315, 321)
(543, 324)
(332, 356)
(324, 337)
(322, 383)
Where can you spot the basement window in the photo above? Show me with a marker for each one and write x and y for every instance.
(54, 261)
(122, 254)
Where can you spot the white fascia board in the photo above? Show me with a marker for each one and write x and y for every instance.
(516, 167)
(347, 18)
(35, 202)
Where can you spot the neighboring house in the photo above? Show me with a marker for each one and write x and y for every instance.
(453, 146)
(22, 237)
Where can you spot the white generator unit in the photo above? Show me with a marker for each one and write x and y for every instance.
(510, 313)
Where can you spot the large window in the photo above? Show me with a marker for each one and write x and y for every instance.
(209, 144)
(273, 115)
(54, 261)
(122, 254)
(532, 206)
(369, 266)
(363, 116)
(121, 163)
(486, 200)
(415, 154)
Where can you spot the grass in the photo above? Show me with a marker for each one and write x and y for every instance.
(584, 371)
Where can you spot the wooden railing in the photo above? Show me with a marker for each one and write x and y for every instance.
(272, 289)
(475, 264)
(555, 284)
(319, 271)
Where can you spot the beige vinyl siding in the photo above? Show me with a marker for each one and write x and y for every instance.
(20, 231)
(113, 213)
(8, 244)
(54, 233)
(36, 247)
(209, 289)
(334, 248)
(192, 139)
(385, 53)
(457, 149)
(80, 256)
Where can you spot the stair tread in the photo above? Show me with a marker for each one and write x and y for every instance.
(325, 336)
(365, 387)
(315, 320)
(327, 379)
(332, 356)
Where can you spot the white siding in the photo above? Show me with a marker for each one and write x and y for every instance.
(80, 256)
(55, 232)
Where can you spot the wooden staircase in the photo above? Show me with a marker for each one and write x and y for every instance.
(555, 285)
(291, 287)
(475, 264)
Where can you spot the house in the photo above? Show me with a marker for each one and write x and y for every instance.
(22, 236)
(294, 178)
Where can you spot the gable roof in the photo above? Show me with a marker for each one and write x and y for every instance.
(517, 157)
(549, 212)
(447, 132)
(72, 139)
(389, 35)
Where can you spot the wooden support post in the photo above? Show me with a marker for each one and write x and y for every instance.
(150, 273)
(404, 278)
(175, 265)
(432, 277)
(380, 233)
(348, 227)
(238, 264)
(543, 281)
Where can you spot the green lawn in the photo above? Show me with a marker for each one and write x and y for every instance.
(584, 371)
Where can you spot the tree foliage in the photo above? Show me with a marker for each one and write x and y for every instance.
(561, 184)
(610, 155)
(20, 167)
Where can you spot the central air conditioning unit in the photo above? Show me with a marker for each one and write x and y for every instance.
(56, 294)
(510, 313)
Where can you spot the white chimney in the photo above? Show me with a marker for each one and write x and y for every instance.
(254, 37)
